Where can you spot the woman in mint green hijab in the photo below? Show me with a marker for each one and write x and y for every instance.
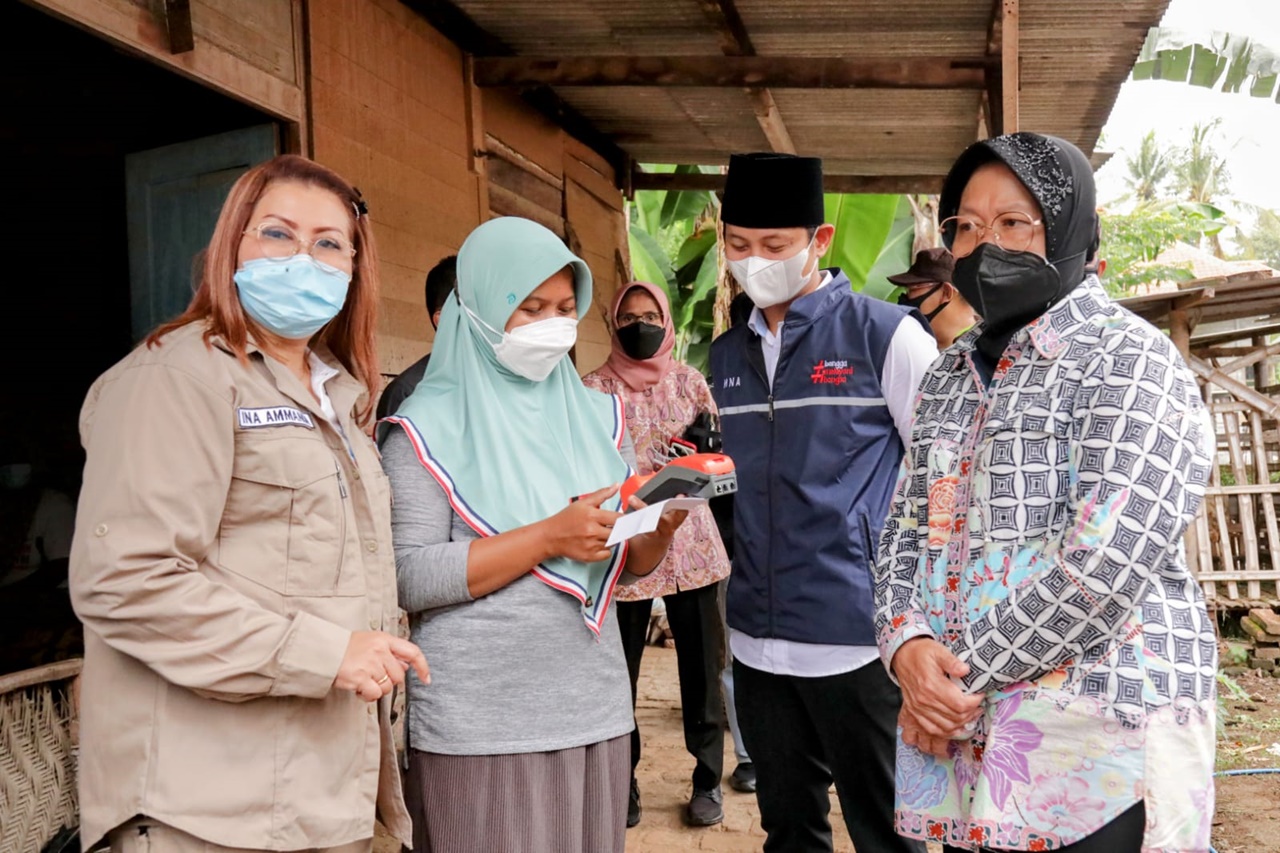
(520, 741)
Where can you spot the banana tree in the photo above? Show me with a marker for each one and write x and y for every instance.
(1225, 61)
(672, 238)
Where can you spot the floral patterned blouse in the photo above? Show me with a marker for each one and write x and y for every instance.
(654, 416)
(1037, 532)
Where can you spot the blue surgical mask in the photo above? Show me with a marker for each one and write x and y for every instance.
(294, 297)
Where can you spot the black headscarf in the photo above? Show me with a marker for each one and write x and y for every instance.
(1060, 178)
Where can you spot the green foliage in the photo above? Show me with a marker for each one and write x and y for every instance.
(1149, 170)
(1132, 241)
(1262, 239)
(673, 245)
(1228, 62)
(873, 239)
(1200, 173)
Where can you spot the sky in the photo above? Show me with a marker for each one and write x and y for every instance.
(1250, 130)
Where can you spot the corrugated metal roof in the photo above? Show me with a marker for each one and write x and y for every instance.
(1074, 56)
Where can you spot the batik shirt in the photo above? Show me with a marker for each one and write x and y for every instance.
(654, 416)
(1037, 532)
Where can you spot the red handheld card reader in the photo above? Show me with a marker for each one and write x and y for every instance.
(699, 475)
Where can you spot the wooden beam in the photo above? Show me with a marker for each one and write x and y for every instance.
(731, 71)
(1265, 405)
(991, 110)
(736, 41)
(457, 26)
(775, 129)
(177, 25)
(1193, 300)
(732, 33)
(1010, 80)
(832, 183)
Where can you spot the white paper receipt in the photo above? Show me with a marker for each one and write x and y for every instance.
(646, 520)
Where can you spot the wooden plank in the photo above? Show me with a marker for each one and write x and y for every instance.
(789, 72)
(1266, 575)
(1010, 77)
(57, 671)
(495, 147)
(134, 29)
(1226, 558)
(1268, 500)
(1248, 522)
(831, 183)
(177, 25)
(503, 173)
(1251, 489)
(1267, 618)
(503, 202)
(1206, 572)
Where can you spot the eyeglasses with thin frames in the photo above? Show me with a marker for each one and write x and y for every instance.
(279, 242)
(1013, 230)
(649, 317)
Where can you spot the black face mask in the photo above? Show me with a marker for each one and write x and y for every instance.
(641, 340)
(1009, 290)
(908, 302)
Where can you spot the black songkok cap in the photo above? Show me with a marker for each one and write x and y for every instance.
(773, 191)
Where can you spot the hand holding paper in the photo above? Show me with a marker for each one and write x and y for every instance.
(646, 520)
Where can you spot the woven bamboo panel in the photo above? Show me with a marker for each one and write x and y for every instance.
(37, 762)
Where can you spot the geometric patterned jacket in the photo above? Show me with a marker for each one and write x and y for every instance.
(1036, 531)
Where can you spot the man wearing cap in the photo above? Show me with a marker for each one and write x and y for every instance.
(927, 287)
(815, 393)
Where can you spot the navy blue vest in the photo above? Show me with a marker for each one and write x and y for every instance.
(817, 460)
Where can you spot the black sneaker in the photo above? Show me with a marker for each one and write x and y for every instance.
(705, 808)
(743, 779)
(633, 806)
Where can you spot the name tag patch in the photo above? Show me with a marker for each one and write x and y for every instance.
(272, 416)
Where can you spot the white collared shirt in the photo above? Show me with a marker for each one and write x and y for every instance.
(911, 350)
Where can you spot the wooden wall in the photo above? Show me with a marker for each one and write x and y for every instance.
(248, 49)
(391, 108)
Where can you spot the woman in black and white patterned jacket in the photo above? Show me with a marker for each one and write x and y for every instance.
(1033, 596)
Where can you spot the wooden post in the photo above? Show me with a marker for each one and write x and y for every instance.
(1009, 71)
(1180, 332)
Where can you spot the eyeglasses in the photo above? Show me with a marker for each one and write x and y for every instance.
(279, 242)
(1013, 230)
(649, 317)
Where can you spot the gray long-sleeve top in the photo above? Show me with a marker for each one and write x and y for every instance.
(514, 671)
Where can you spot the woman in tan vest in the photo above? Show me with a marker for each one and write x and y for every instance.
(232, 561)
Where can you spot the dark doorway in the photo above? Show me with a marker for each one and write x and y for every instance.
(73, 109)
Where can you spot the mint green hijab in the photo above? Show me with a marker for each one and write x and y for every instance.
(508, 451)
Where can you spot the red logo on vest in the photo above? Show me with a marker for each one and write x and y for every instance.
(831, 372)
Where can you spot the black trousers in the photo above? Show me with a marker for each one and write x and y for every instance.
(1122, 835)
(695, 622)
(803, 733)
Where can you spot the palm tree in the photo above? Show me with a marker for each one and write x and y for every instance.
(1200, 172)
(1149, 170)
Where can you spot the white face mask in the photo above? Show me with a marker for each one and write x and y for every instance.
(534, 349)
(769, 282)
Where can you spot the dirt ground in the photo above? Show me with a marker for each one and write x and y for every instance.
(1248, 813)
(1247, 819)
